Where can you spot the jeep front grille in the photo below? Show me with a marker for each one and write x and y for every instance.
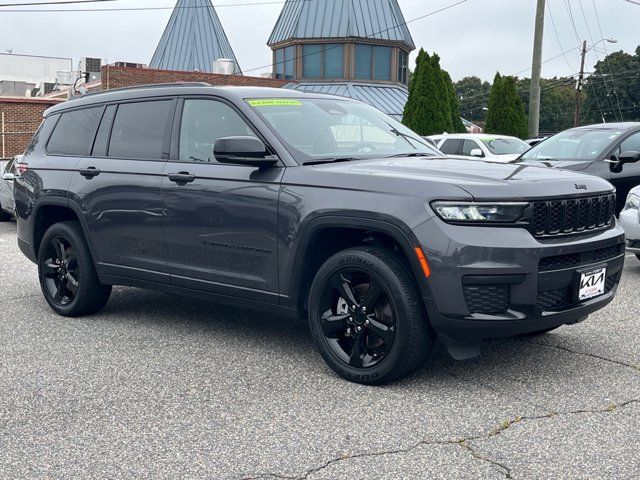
(574, 215)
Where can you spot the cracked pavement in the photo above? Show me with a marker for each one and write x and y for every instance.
(158, 386)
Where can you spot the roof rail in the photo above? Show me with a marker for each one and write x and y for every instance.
(151, 85)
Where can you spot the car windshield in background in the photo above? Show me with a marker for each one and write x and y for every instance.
(505, 146)
(324, 130)
(586, 145)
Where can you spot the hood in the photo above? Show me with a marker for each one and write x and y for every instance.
(482, 180)
(575, 165)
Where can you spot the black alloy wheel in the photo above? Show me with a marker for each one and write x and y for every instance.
(68, 277)
(367, 317)
(60, 271)
(358, 322)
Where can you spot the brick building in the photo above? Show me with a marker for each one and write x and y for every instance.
(19, 119)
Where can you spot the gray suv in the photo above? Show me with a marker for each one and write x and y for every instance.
(313, 206)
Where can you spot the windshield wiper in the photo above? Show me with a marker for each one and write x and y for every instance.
(320, 161)
(412, 154)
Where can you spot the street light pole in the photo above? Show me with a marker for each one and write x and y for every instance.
(536, 67)
(576, 116)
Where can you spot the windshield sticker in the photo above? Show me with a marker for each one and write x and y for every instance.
(274, 102)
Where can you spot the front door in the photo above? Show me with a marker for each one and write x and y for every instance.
(220, 220)
(629, 177)
(118, 189)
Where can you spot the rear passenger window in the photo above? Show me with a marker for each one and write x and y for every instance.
(139, 130)
(74, 132)
(451, 147)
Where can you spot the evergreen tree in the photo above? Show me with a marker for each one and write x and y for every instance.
(429, 107)
(456, 121)
(506, 111)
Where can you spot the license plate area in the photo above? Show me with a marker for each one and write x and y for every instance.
(591, 283)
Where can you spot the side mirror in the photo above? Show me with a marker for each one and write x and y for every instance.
(8, 176)
(476, 152)
(631, 156)
(243, 150)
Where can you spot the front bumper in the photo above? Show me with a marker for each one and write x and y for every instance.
(489, 282)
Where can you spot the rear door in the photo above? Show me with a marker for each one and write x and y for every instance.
(221, 224)
(118, 188)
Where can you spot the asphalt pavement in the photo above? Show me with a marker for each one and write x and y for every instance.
(158, 386)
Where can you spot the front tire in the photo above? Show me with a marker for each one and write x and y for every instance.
(68, 278)
(366, 316)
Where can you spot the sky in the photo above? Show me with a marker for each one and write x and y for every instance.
(478, 37)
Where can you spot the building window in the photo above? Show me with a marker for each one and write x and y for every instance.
(323, 61)
(373, 62)
(403, 66)
(285, 65)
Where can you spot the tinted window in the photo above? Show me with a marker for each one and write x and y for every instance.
(203, 122)
(382, 63)
(102, 138)
(451, 147)
(575, 144)
(74, 132)
(312, 61)
(505, 146)
(363, 61)
(138, 130)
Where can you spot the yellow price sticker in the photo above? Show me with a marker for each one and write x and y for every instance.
(274, 102)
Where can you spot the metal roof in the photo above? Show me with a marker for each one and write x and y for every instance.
(389, 99)
(311, 19)
(193, 39)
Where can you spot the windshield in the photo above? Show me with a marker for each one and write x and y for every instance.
(324, 130)
(505, 146)
(585, 145)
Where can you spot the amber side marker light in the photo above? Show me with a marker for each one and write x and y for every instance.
(423, 262)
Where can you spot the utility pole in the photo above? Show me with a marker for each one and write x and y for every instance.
(536, 67)
(576, 117)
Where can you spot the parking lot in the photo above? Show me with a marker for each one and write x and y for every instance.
(158, 386)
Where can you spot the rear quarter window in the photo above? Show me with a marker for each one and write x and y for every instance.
(74, 132)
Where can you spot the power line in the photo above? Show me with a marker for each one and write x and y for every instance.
(126, 9)
(61, 2)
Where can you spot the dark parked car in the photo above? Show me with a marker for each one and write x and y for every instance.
(608, 150)
(315, 206)
(7, 204)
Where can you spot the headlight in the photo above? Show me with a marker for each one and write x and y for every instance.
(633, 202)
(470, 212)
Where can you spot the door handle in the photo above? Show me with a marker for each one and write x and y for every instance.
(90, 172)
(182, 177)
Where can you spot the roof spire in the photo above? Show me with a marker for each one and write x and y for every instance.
(322, 19)
(193, 39)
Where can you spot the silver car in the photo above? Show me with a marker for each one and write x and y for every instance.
(7, 202)
(630, 221)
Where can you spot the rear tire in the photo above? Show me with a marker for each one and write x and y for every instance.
(386, 336)
(67, 274)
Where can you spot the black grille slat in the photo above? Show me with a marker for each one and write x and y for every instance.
(563, 298)
(557, 217)
(574, 260)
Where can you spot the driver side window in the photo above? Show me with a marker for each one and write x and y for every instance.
(630, 144)
(204, 122)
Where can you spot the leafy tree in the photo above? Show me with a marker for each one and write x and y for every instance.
(430, 106)
(473, 94)
(506, 114)
(612, 92)
(557, 100)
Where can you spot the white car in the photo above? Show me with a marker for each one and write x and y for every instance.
(481, 146)
(630, 221)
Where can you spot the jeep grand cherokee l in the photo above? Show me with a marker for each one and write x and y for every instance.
(315, 206)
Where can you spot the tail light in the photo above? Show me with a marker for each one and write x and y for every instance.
(22, 168)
